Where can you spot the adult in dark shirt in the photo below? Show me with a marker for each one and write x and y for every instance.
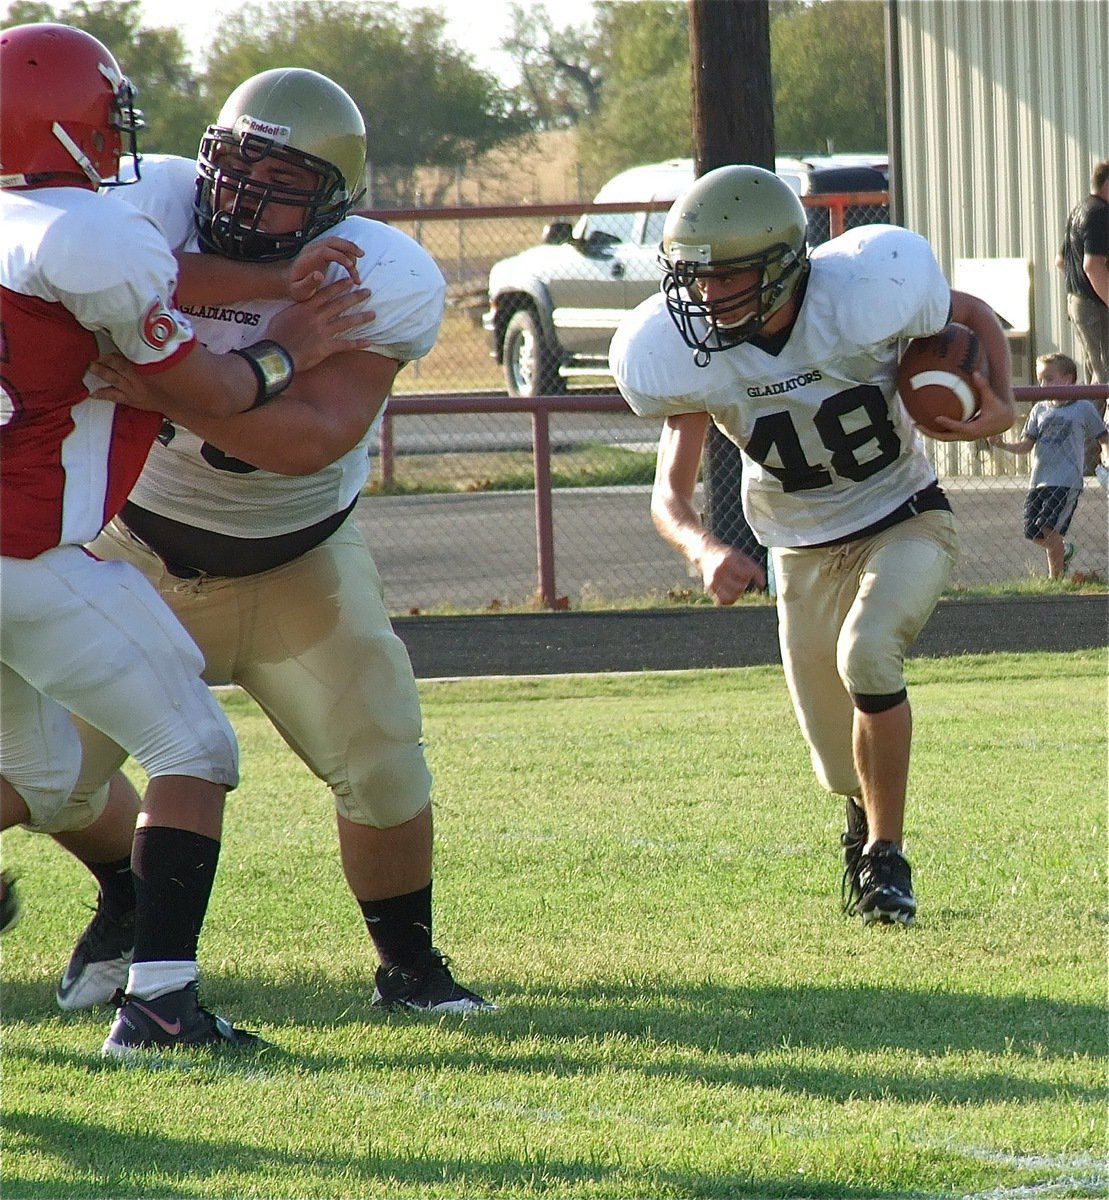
(1084, 261)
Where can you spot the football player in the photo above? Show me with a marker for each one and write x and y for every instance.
(249, 541)
(793, 357)
(85, 637)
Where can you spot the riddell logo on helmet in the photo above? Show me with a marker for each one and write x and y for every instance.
(247, 124)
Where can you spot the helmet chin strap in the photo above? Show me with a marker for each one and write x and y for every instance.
(77, 154)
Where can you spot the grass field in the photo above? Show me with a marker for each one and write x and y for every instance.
(590, 464)
(641, 871)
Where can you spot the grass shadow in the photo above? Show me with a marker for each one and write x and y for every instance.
(761, 1036)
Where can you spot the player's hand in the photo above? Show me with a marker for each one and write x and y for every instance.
(995, 415)
(315, 329)
(306, 272)
(727, 573)
(124, 385)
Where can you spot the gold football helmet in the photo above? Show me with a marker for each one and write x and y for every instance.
(298, 117)
(733, 219)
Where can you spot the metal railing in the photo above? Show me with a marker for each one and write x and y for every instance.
(541, 408)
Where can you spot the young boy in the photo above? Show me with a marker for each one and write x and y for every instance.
(1056, 433)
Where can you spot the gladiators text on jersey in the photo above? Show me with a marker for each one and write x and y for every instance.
(783, 385)
(212, 312)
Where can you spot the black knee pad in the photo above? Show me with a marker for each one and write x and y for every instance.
(878, 704)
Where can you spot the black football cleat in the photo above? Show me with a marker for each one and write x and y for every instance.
(426, 986)
(884, 882)
(853, 839)
(169, 1022)
(9, 902)
(97, 968)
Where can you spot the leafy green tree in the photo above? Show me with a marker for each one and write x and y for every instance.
(559, 70)
(829, 77)
(645, 108)
(155, 60)
(424, 102)
(828, 68)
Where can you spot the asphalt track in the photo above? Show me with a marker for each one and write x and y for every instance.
(469, 551)
(680, 639)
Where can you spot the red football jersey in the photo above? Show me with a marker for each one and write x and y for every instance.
(67, 459)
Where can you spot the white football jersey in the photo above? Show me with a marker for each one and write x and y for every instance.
(826, 443)
(192, 482)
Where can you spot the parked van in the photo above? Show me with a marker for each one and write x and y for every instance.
(554, 308)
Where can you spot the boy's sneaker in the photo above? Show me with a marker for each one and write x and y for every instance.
(1068, 553)
(9, 902)
(166, 1022)
(426, 986)
(884, 882)
(853, 839)
(97, 968)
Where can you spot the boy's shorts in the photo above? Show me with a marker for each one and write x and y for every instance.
(1049, 508)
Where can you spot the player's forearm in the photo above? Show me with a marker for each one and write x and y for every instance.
(200, 386)
(294, 434)
(978, 315)
(680, 524)
(212, 279)
(283, 437)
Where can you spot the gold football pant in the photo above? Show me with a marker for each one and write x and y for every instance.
(846, 616)
(311, 642)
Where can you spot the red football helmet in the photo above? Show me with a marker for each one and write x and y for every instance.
(65, 104)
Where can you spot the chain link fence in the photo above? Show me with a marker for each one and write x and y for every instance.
(453, 513)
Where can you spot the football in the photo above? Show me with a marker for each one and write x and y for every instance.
(933, 376)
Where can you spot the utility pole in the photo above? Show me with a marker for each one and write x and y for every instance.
(733, 122)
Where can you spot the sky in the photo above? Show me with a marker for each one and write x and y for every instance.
(476, 26)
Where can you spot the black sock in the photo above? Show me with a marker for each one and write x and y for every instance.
(174, 870)
(400, 926)
(117, 885)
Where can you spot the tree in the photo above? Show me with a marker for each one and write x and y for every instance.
(644, 63)
(424, 102)
(828, 70)
(155, 60)
(560, 77)
(829, 77)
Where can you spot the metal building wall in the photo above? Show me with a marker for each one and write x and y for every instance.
(1001, 111)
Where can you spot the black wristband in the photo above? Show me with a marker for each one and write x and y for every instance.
(273, 367)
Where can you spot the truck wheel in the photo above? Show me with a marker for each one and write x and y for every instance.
(530, 363)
